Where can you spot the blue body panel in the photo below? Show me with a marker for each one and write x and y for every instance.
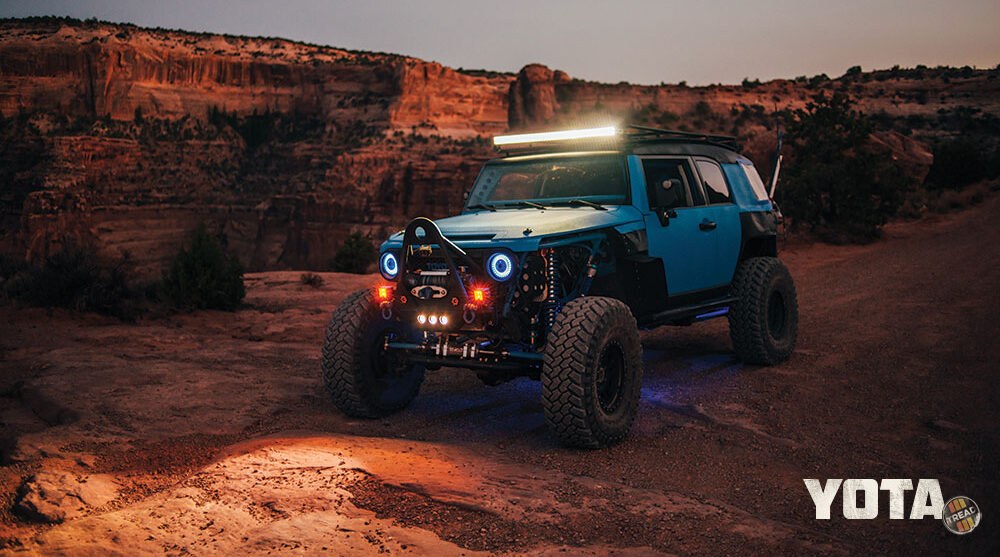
(693, 258)
(507, 227)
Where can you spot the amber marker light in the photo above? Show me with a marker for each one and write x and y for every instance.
(384, 292)
(479, 295)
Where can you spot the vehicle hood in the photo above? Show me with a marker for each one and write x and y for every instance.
(529, 225)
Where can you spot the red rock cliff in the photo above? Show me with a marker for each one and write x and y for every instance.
(127, 137)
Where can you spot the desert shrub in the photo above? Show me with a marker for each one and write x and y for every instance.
(203, 276)
(311, 279)
(838, 184)
(77, 278)
(953, 200)
(355, 255)
(958, 163)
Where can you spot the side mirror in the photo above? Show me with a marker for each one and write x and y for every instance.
(465, 195)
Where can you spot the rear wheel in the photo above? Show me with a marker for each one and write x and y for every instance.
(763, 323)
(592, 372)
(363, 379)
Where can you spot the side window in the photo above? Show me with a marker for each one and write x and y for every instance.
(759, 189)
(715, 182)
(669, 184)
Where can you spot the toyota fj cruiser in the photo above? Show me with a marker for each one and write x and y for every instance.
(568, 244)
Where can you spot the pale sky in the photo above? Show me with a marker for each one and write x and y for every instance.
(641, 41)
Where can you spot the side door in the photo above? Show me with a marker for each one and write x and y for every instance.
(677, 223)
(726, 218)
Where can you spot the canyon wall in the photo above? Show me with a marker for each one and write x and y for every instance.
(127, 138)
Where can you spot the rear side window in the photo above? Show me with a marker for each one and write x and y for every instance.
(755, 182)
(715, 182)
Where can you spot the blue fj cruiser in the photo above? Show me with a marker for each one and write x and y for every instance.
(568, 244)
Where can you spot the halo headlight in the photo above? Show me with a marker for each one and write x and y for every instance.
(500, 266)
(388, 265)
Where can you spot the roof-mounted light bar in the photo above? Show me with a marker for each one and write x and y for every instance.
(563, 135)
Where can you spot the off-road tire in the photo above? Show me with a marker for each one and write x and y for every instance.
(577, 405)
(353, 371)
(764, 321)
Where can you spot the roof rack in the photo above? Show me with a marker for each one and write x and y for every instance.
(599, 138)
(644, 134)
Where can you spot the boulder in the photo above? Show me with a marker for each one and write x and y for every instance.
(55, 497)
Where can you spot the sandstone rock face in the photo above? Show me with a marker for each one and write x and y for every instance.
(58, 496)
(127, 138)
(533, 96)
(439, 100)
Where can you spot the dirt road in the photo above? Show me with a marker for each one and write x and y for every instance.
(207, 432)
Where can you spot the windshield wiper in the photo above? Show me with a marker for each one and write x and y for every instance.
(486, 206)
(579, 202)
(530, 204)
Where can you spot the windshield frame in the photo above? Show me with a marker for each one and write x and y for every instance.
(605, 200)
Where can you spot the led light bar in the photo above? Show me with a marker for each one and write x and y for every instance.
(563, 135)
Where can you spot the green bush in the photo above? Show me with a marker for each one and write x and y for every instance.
(203, 276)
(75, 277)
(355, 255)
(837, 183)
(958, 163)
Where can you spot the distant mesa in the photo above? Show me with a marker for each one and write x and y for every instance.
(127, 138)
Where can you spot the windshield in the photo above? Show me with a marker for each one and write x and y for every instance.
(551, 181)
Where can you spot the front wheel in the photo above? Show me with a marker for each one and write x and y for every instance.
(764, 321)
(363, 379)
(592, 372)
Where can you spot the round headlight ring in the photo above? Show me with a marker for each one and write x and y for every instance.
(500, 266)
(388, 265)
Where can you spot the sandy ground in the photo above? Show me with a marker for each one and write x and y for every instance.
(210, 433)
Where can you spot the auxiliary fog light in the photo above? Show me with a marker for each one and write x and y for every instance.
(421, 319)
(433, 320)
(444, 319)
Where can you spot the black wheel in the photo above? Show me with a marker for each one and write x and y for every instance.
(764, 322)
(592, 372)
(362, 378)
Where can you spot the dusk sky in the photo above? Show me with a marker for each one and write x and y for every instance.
(641, 41)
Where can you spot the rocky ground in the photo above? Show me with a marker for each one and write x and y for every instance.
(210, 432)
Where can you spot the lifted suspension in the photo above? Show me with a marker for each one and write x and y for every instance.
(553, 287)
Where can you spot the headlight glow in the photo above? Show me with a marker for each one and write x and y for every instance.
(388, 265)
(500, 266)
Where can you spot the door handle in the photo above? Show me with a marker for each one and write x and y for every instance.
(707, 225)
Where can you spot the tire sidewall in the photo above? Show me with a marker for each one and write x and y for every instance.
(781, 282)
(583, 328)
(401, 390)
(348, 366)
(614, 426)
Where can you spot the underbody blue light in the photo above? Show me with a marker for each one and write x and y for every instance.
(716, 313)
(500, 266)
(388, 265)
